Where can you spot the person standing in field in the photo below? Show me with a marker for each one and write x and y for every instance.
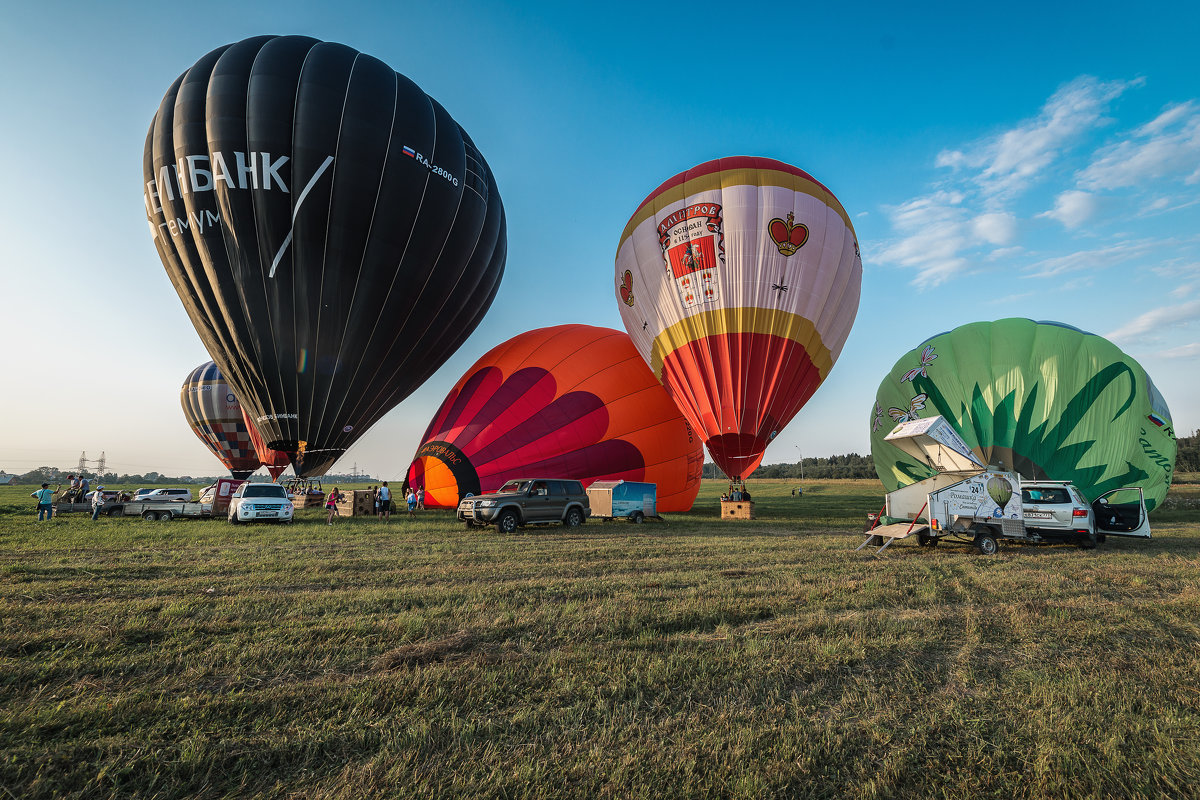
(375, 497)
(331, 504)
(421, 499)
(411, 500)
(45, 499)
(385, 502)
(81, 496)
(97, 502)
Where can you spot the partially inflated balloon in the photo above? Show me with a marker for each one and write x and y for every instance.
(214, 415)
(276, 461)
(571, 401)
(333, 233)
(1044, 399)
(738, 281)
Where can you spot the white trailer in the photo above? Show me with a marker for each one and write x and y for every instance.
(969, 501)
(631, 500)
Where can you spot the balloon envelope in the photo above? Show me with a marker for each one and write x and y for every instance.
(571, 401)
(738, 282)
(1042, 398)
(214, 415)
(334, 235)
(276, 461)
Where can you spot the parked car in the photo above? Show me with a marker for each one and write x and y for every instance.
(527, 501)
(176, 495)
(260, 501)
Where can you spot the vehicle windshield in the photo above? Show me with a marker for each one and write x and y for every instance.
(264, 490)
(514, 486)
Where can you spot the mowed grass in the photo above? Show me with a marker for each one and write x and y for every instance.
(696, 658)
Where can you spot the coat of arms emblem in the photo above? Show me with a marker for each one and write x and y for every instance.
(693, 246)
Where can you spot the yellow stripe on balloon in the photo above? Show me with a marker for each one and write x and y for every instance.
(717, 322)
(723, 179)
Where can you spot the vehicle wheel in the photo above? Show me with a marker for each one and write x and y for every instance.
(468, 524)
(116, 512)
(574, 518)
(507, 523)
(233, 520)
(164, 516)
(150, 516)
(923, 539)
(1090, 542)
(933, 540)
(1100, 537)
(985, 540)
(638, 518)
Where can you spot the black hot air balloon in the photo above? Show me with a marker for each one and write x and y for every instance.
(333, 233)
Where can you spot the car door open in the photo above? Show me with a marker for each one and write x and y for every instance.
(1122, 512)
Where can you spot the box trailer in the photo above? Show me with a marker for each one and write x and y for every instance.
(629, 500)
(969, 501)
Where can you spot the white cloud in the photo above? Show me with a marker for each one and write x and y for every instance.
(995, 228)
(1185, 351)
(1072, 208)
(1007, 162)
(1147, 325)
(1183, 290)
(936, 233)
(1167, 147)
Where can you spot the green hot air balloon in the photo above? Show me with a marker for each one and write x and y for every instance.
(999, 490)
(1046, 400)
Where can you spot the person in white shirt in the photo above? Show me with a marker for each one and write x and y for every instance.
(97, 502)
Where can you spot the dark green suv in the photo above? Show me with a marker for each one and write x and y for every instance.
(527, 501)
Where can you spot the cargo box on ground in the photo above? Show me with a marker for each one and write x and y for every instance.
(629, 500)
(357, 503)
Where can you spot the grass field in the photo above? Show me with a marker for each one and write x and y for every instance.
(697, 658)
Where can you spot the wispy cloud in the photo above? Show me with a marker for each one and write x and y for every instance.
(936, 233)
(1148, 325)
(1006, 163)
(1095, 259)
(1166, 147)
(1185, 351)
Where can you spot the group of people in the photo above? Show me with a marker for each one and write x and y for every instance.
(76, 492)
(737, 491)
(381, 497)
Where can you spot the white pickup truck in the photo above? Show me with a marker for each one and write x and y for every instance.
(984, 505)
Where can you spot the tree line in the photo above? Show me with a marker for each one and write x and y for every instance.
(54, 475)
(851, 465)
(1187, 459)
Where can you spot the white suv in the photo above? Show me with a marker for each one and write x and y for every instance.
(260, 501)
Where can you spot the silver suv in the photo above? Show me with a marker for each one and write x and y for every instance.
(527, 501)
(1057, 510)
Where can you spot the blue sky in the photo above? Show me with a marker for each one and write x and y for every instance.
(1023, 160)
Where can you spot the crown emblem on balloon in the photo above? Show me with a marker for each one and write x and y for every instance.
(788, 236)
